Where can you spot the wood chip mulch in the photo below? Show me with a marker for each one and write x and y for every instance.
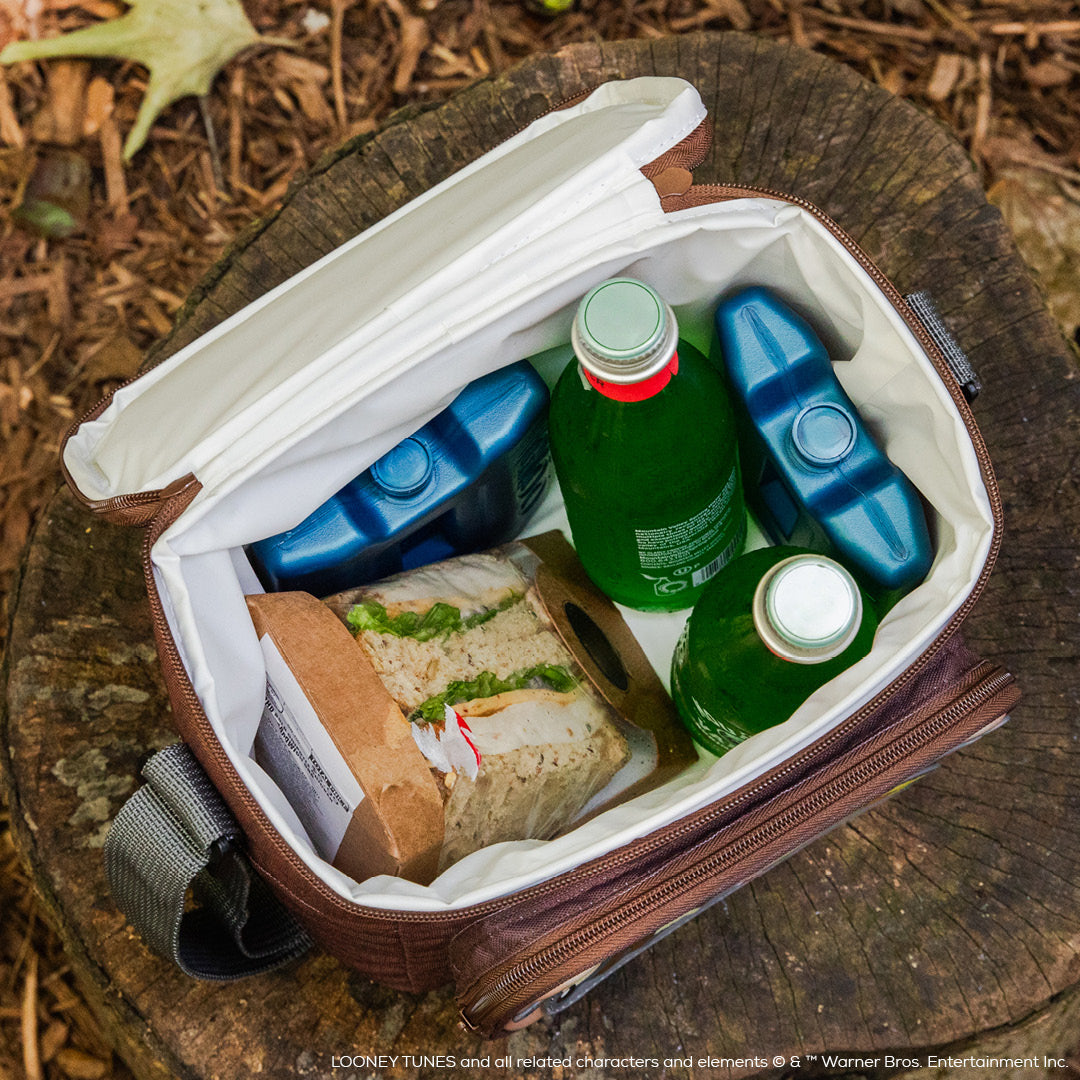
(78, 312)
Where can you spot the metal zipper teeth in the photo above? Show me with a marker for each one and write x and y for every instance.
(524, 975)
(127, 501)
(671, 834)
(117, 503)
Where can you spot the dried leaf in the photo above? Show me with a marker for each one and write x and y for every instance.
(1048, 73)
(118, 234)
(184, 43)
(414, 39)
(306, 79)
(300, 69)
(61, 119)
(735, 12)
(117, 357)
(113, 165)
(10, 132)
(99, 105)
(313, 104)
(79, 1065)
(893, 80)
(31, 1052)
(53, 1039)
(945, 76)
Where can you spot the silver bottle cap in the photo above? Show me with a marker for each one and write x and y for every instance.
(624, 331)
(807, 609)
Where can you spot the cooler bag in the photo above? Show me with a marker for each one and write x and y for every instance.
(246, 430)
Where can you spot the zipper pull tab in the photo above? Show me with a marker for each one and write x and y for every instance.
(926, 310)
(672, 172)
(672, 181)
(139, 508)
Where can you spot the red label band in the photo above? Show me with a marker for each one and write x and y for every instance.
(638, 391)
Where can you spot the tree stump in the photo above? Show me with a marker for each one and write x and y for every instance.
(948, 917)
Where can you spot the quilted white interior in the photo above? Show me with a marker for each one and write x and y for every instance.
(321, 421)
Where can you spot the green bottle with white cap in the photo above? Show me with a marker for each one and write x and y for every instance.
(644, 445)
(771, 628)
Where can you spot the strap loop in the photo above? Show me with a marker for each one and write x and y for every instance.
(922, 304)
(176, 834)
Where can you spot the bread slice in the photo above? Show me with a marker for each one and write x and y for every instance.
(543, 756)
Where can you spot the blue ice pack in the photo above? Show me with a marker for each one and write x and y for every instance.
(466, 480)
(813, 475)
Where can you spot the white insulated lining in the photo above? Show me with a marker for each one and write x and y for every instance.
(263, 362)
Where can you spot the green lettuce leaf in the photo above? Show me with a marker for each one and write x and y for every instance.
(440, 620)
(488, 684)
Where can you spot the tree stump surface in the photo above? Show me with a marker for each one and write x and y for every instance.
(947, 917)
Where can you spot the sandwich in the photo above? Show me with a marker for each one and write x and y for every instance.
(516, 737)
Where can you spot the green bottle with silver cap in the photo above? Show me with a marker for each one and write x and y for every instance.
(644, 445)
(770, 629)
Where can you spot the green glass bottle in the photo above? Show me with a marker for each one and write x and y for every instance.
(644, 445)
(771, 628)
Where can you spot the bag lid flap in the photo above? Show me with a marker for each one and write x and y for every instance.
(257, 375)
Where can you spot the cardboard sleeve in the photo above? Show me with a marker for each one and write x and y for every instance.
(397, 828)
(603, 645)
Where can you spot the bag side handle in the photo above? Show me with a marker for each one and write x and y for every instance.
(175, 835)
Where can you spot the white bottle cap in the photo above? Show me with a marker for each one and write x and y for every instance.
(624, 331)
(807, 609)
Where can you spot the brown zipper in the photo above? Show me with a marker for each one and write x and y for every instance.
(132, 508)
(512, 990)
(164, 507)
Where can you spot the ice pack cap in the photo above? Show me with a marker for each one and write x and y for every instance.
(624, 331)
(824, 434)
(404, 470)
(807, 609)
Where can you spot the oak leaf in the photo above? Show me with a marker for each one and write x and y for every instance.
(183, 43)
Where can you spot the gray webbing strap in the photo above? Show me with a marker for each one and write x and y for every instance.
(922, 303)
(176, 834)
